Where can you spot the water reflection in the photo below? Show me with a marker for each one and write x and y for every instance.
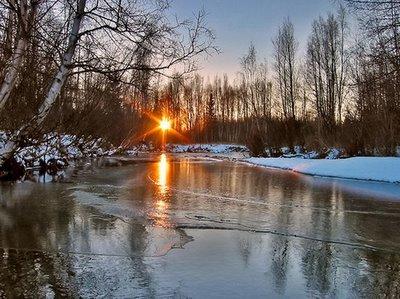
(257, 233)
(163, 170)
(160, 211)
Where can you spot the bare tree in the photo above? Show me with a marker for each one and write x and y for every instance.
(376, 74)
(326, 67)
(285, 46)
(25, 14)
(117, 34)
(57, 83)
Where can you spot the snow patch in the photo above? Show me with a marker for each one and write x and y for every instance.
(385, 169)
(57, 147)
(206, 148)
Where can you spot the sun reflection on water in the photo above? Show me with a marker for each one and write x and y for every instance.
(163, 168)
(161, 205)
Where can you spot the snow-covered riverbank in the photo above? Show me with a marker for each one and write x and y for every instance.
(65, 147)
(215, 148)
(385, 169)
(57, 147)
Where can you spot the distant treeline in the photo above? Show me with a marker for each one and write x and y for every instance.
(344, 93)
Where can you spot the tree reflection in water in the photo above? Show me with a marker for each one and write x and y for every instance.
(50, 247)
(277, 233)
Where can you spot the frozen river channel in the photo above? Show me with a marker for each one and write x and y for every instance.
(181, 226)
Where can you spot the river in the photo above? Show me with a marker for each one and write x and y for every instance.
(182, 226)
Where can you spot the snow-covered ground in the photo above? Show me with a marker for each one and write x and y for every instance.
(67, 147)
(59, 147)
(207, 148)
(385, 169)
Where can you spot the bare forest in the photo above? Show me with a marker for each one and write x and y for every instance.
(101, 69)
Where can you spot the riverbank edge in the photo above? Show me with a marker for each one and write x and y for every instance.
(374, 169)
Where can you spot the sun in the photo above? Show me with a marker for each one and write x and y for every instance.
(165, 124)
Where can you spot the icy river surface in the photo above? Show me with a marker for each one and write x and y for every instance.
(178, 227)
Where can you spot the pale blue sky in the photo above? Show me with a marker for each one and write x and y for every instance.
(236, 23)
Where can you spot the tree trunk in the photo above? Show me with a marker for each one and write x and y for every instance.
(11, 72)
(63, 71)
(17, 57)
(56, 85)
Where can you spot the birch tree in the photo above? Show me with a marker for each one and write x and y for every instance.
(57, 83)
(25, 13)
(117, 33)
(65, 66)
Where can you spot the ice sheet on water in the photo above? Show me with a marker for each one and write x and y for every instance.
(159, 239)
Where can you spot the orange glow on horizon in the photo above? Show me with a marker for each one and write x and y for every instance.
(164, 125)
